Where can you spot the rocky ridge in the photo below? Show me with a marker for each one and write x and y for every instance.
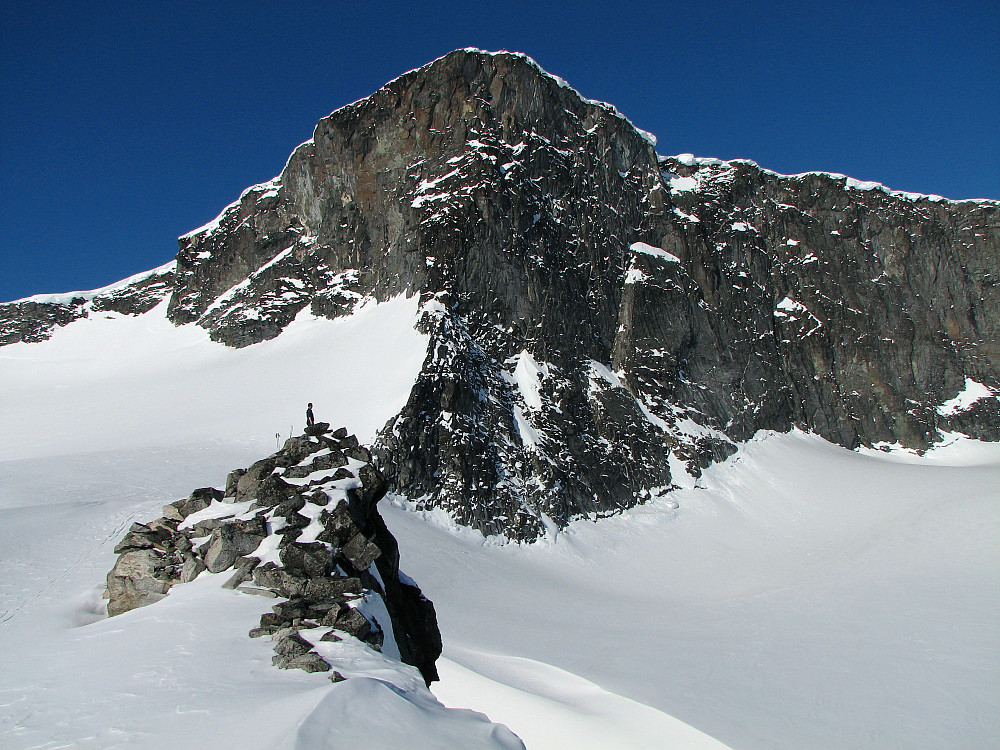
(301, 527)
(35, 318)
(602, 317)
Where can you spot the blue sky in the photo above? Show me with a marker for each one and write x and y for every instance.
(127, 124)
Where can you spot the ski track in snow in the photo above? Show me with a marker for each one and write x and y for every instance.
(800, 596)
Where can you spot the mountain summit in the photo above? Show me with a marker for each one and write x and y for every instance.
(600, 318)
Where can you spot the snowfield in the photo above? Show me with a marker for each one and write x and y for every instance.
(798, 595)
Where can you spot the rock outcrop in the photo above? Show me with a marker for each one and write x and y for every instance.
(600, 316)
(301, 527)
(34, 319)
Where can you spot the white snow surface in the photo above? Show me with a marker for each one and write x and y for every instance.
(798, 595)
(121, 381)
(656, 252)
(801, 596)
(966, 398)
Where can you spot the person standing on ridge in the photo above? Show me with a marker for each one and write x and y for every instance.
(310, 420)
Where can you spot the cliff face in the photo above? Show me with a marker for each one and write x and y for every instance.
(835, 305)
(600, 315)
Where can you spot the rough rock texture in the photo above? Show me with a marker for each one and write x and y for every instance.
(327, 582)
(594, 308)
(599, 315)
(34, 319)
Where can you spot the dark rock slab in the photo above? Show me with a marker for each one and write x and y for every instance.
(310, 560)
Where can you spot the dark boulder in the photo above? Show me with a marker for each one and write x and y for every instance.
(359, 552)
(308, 662)
(352, 622)
(332, 588)
(197, 500)
(248, 482)
(320, 428)
(271, 491)
(310, 560)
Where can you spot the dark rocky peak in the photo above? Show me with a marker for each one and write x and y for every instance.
(601, 318)
(395, 191)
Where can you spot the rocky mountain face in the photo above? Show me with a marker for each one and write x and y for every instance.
(301, 527)
(601, 316)
(34, 319)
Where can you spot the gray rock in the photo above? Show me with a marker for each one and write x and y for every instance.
(320, 428)
(358, 453)
(197, 500)
(207, 526)
(298, 472)
(311, 560)
(332, 588)
(338, 525)
(360, 552)
(289, 535)
(352, 622)
(192, 567)
(319, 498)
(331, 460)
(295, 449)
(279, 580)
(141, 536)
(292, 645)
(272, 620)
(289, 506)
(294, 609)
(296, 521)
(310, 662)
(249, 481)
(240, 576)
(133, 541)
(233, 482)
(247, 563)
(233, 540)
(137, 579)
(330, 618)
(272, 491)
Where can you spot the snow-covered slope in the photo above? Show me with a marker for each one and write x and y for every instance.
(115, 381)
(104, 423)
(799, 596)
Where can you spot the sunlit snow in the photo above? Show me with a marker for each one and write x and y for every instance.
(966, 399)
(798, 595)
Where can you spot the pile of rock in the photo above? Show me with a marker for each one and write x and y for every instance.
(300, 526)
